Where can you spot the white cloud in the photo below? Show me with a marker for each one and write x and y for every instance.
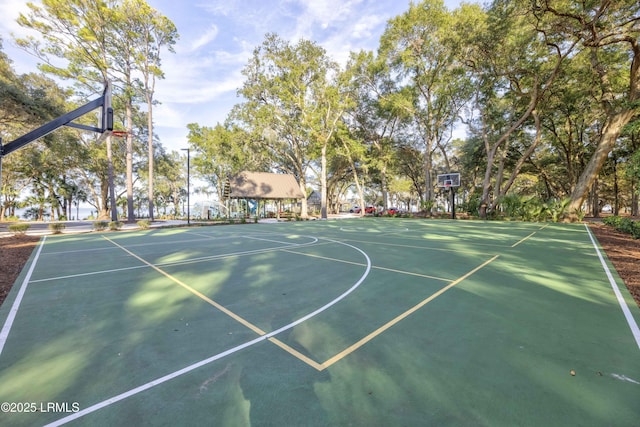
(364, 26)
(10, 10)
(217, 37)
(208, 36)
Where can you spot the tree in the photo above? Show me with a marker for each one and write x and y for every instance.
(374, 118)
(170, 178)
(146, 32)
(79, 32)
(100, 40)
(223, 151)
(513, 67)
(292, 105)
(609, 33)
(430, 84)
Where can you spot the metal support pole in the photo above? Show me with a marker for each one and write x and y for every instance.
(453, 203)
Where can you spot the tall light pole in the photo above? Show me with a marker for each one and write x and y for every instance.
(188, 188)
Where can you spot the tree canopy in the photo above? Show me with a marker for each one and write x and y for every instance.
(535, 103)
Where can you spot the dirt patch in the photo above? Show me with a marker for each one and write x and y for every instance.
(621, 249)
(14, 254)
(624, 253)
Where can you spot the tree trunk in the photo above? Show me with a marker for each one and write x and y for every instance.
(610, 133)
(634, 197)
(385, 188)
(527, 154)
(486, 183)
(500, 174)
(150, 151)
(428, 182)
(129, 157)
(112, 190)
(323, 182)
(616, 189)
(595, 200)
(304, 211)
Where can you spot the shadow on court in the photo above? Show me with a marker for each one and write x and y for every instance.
(371, 322)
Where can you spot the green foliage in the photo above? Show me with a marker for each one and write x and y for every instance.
(57, 227)
(534, 209)
(115, 225)
(19, 228)
(512, 205)
(472, 205)
(143, 224)
(427, 205)
(100, 225)
(579, 213)
(558, 209)
(382, 121)
(624, 225)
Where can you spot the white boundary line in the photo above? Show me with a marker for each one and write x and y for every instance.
(635, 330)
(218, 356)
(183, 262)
(135, 245)
(4, 334)
(376, 230)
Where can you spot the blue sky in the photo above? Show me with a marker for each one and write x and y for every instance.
(217, 37)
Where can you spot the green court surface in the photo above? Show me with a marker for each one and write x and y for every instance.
(359, 322)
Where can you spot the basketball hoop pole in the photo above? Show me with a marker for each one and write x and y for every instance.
(449, 181)
(453, 202)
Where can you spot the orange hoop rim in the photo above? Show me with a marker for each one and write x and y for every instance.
(119, 133)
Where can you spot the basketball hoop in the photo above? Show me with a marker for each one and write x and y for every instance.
(119, 133)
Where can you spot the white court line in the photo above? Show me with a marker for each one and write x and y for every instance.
(218, 356)
(635, 330)
(4, 333)
(183, 262)
(428, 248)
(268, 240)
(375, 230)
(241, 253)
(135, 245)
(92, 273)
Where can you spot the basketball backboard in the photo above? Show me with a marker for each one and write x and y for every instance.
(448, 180)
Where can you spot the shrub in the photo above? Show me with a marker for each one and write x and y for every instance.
(115, 225)
(143, 224)
(624, 225)
(56, 227)
(100, 225)
(612, 221)
(20, 228)
(472, 206)
(558, 209)
(512, 205)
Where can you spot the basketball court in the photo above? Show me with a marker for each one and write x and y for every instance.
(366, 322)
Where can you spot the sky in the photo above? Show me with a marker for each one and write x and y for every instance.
(217, 38)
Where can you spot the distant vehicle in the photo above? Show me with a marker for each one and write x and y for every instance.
(368, 209)
(393, 211)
